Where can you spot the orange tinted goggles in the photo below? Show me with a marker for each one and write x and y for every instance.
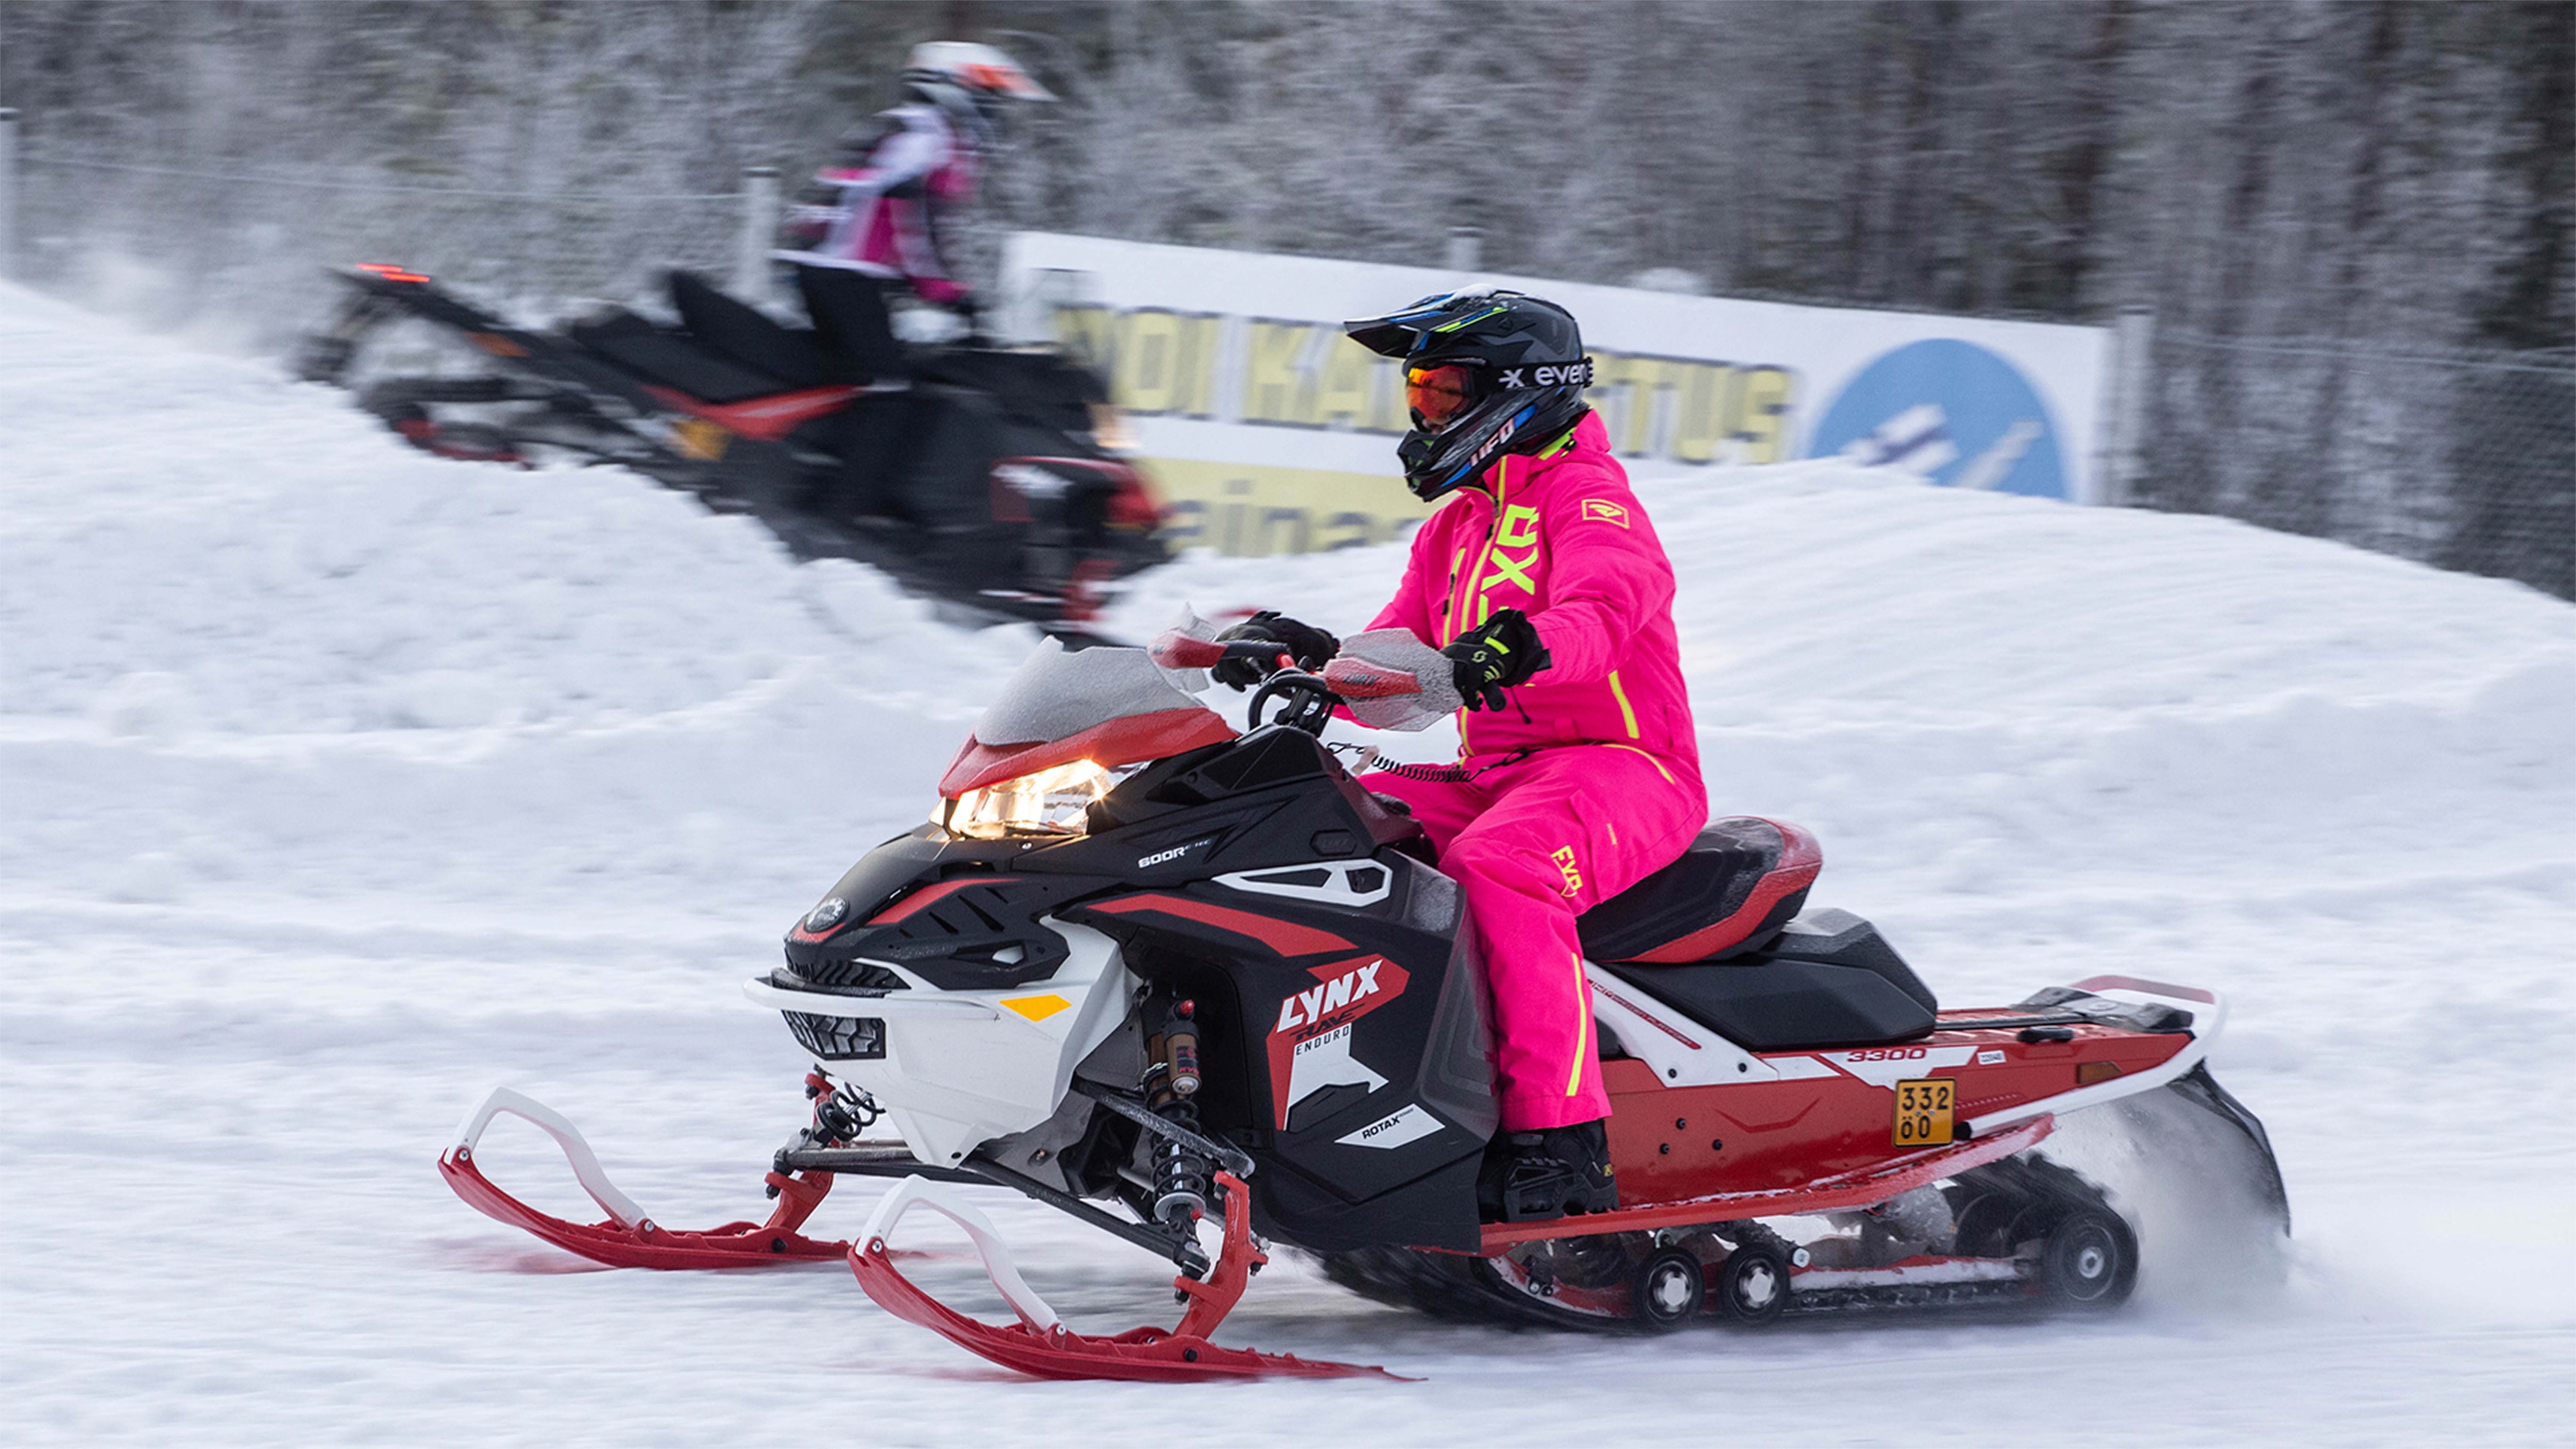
(1437, 393)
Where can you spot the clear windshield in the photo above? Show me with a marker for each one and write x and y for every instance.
(1061, 692)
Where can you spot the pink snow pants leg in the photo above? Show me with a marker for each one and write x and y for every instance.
(1532, 844)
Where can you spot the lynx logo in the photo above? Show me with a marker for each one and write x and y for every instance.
(1314, 1005)
(1310, 1049)
(1160, 857)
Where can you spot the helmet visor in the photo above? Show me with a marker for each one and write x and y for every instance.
(1437, 394)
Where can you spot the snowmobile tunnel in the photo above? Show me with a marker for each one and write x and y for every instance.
(745, 335)
(1827, 979)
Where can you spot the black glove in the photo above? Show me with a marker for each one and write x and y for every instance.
(1311, 647)
(1494, 656)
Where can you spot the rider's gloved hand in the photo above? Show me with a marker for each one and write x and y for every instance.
(1311, 647)
(1494, 656)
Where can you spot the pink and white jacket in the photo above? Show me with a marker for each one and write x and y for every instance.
(1561, 538)
(919, 169)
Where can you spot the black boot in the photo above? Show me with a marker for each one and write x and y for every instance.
(1532, 1176)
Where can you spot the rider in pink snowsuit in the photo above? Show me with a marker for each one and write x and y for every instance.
(1588, 780)
(920, 167)
(1578, 775)
(878, 222)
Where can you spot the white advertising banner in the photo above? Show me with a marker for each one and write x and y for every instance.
(1268, 431)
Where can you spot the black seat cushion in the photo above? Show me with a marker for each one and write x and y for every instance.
(1828, 980)
(1737, 885)
(744, 335)
(671, 360)
(852, 325)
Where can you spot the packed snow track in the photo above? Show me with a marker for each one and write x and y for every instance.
(339, 784)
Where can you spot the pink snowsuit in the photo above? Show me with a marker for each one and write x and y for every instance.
(1588, 779)
(920, 168)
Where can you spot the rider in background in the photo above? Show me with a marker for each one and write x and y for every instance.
(1578, 774)
(883, 206)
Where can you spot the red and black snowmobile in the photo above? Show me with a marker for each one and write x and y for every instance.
(1162, 975)
(975, 475)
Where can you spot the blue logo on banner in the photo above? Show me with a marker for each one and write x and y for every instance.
(1950, 412)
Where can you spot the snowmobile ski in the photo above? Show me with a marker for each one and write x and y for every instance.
(1040, 1345)
(628, 1238)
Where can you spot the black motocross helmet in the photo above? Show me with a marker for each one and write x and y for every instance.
(1499, 372)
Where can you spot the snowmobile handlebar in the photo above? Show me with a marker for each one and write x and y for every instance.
(1173, 649)
(1348, 677)
(1386, 678)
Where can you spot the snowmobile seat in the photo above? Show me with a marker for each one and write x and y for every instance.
(1736, 886)
(852, 325)
(745, 335)
(671, 360)
(1828, 979)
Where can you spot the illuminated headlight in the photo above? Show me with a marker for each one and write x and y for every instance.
(1110, 430)
(1050, 802)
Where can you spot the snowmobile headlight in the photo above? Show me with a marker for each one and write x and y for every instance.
(1110, 430)
(1050, 802)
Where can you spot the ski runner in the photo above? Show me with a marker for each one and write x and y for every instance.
(896, 191)
(1578, 772)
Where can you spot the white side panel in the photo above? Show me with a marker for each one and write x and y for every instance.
(1326, 1061)
(1409, 1124)
(1682, 1052)
(1336, 890)
(964, 1067)
(1887, 1066)
(2209, 1018)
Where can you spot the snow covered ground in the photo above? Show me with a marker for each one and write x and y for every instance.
(338, 783)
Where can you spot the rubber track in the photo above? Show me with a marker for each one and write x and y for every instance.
(1456, 1288)
(1451, 1287)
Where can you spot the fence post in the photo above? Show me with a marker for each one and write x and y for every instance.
(758, 234)
(1466, 249)
(8, 194)
(2123, 457)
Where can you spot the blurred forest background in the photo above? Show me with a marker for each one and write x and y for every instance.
(2350, 220)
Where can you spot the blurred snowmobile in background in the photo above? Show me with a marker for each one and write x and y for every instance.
(973, 474)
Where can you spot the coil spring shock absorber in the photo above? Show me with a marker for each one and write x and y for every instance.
(1181, 1176)
(842, 1110)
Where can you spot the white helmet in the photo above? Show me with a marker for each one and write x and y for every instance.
(982, 72)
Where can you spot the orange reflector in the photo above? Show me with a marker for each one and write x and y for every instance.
(2088, 1073)
(1038, 1008)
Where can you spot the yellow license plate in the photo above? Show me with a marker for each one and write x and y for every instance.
(700, 439)
(1923, 1111)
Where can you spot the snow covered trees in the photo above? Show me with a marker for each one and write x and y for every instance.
(2366, 178)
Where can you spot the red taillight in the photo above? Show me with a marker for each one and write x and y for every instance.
(1132, 507)
(392, 273)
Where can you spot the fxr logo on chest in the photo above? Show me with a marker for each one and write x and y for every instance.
(1315, 1003)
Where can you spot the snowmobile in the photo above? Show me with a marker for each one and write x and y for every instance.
(1159, 973)
(974, 475)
